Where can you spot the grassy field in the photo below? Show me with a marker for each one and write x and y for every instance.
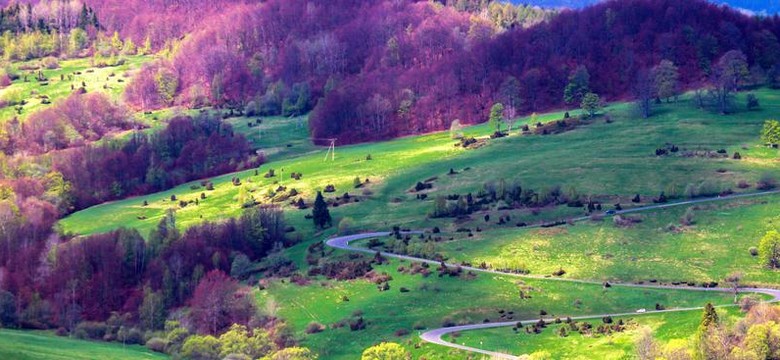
(610, 160)
(277, 136)
(607, 160)
(106, 79)
(387, 158)
(400, 316)
(715, 245)
(34, 345)
(668, 328)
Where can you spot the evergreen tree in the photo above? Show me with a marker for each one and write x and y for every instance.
(320, 213)
(83, 17)
(709, 318)
(706, 333)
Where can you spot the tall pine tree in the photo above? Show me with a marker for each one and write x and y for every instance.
(320, 213)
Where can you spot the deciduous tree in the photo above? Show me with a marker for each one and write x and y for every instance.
(386, 351)
(198, 347)
(292, 353)
(643, 91)
(509, 93)
(591, 104)
(217, 303)
(727, 77)
(769, 249)
(152, 312)
(666, 78)
(578, 86)
(734, 279)
(770, 133)
(496, 116)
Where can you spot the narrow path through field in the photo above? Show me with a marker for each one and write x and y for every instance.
(435, 336)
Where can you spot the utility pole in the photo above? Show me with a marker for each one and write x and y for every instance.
(331, 148)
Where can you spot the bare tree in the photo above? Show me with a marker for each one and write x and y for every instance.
(646, 347)
(734, 279)
(510, 112)
(8, 219)
(378, 109)
(666, 78)
(727, 76)
(644, 91)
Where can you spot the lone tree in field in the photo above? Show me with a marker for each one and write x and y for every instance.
(320, 213)
(709, 318)
(704, 334)
(727, 76)
(734, 280)
(591, 104)
(769, 249)
(509, 93)
(578, 86)
(643, 91)
(770, 133)
(386, 351)
(496, 116)
(666, 78)
(456, 130)
(751, 102)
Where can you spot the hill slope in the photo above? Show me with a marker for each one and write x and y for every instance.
(757, 6)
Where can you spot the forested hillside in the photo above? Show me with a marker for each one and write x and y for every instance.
(426, 64)
(381, 69)
(758, 6)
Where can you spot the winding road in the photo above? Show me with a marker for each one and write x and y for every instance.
(435, 336)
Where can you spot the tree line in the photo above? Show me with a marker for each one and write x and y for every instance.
(86, 286)
(187, 149)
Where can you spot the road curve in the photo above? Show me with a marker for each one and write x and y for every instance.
(435, 336)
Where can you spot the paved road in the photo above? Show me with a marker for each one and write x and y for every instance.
(435, 336)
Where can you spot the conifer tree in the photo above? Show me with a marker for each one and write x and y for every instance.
(320, 213)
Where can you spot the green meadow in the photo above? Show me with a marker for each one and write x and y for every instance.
(111, 80)
(35, 345)
(608, 161)
(674, 329)
(660, 247)
(391, 158)
(431, 302)
(277, 136)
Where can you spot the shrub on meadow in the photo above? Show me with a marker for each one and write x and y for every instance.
(314, 327)
(766, 182)
(157, 344)
(50, 62)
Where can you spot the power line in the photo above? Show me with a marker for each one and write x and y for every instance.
(331, 148)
